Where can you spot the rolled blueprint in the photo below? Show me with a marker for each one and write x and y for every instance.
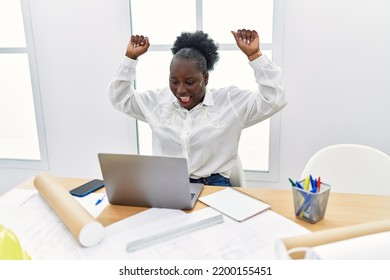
(83, 226)
(374, 246)
(295, 247)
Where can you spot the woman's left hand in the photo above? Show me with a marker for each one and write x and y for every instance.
(248, 41)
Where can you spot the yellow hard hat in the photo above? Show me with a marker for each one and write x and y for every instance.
(10, 248)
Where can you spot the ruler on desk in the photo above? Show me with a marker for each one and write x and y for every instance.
(188, 226)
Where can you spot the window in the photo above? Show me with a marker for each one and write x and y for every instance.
(21, 126)
(259, 146)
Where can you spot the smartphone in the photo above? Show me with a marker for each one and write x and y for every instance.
(87, 188)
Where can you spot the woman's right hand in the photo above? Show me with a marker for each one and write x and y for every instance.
(138, 45)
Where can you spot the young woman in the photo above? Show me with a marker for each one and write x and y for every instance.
(190, 120)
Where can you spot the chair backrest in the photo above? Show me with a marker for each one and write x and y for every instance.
(351, 168)
(237, 175)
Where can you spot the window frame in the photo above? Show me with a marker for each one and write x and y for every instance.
(272, 175)
(30, 51)
(275, 121)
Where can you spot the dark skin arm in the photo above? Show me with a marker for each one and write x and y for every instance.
(249, 42)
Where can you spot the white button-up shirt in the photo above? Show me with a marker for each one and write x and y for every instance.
(207, 135)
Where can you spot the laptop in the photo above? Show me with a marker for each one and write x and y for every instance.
(148, 181)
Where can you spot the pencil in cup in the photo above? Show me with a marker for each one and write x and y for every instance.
(311, 206)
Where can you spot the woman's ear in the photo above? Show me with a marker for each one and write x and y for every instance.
(206, 78)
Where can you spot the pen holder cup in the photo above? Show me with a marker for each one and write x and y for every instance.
(311, 206)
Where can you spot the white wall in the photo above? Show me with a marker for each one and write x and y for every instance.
(78, 47)
(335, 68)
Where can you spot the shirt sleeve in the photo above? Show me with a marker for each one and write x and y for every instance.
(269, 98)
(121, 90)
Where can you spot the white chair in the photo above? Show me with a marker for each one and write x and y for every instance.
(237, 175)
(351, 168)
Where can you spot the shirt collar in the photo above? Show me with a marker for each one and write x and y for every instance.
(208, 98)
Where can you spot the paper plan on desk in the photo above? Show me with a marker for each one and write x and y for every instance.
(40, 231)
(235, 204)
(45, 236)
(38, 227)
(153, 226)
(251, 239)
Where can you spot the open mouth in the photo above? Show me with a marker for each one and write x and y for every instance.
(185, 99)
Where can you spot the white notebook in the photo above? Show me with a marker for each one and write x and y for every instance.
(235, 204)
